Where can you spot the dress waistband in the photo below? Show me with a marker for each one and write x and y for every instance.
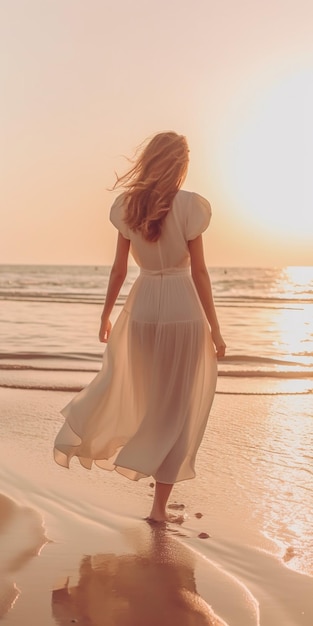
(166, 271)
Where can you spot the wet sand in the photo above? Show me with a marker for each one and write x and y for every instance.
(75, 547)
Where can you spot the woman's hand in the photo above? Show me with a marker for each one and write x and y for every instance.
(220, 345)
(105, 329)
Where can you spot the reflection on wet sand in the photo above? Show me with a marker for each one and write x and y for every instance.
(21, 538)
(155, 585)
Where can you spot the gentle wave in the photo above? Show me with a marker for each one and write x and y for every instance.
(239, 298)
(272, 368)
(265, 374)
(240, 358)
(36, 387)
(230, 358)
(55, 356)
(224, 373)
(59, 298)
(77, 388)
(32, 368)
(97, 297)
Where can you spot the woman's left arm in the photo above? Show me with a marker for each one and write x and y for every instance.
(117, 277)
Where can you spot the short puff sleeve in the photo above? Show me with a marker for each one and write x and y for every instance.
(117, 216)
(198, 216)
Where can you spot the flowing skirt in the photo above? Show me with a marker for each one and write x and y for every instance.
(145, 412)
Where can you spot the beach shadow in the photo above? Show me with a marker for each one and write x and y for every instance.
(152, 587)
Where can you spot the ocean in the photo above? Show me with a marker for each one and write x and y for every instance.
(256, 460)
(50, 314)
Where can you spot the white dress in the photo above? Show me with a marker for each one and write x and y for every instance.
(145, 412)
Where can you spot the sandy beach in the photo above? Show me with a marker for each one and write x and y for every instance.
(75, 547)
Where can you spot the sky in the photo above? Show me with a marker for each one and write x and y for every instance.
(83, 82)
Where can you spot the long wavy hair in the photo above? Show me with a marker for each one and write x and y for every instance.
(152, 183)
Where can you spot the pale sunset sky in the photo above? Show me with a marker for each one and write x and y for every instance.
(83, 82)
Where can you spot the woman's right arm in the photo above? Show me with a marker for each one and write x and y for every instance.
(202, 283)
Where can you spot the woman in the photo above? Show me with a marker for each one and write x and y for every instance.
(146, 411)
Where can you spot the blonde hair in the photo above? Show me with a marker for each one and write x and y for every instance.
(152, 183)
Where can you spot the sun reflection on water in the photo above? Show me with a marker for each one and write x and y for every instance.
(292, 323)
(300, 276)
(289, 500)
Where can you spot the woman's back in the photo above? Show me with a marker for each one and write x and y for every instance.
(188, 217)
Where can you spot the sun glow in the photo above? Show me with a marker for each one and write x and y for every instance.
(300, 278)
(267, 159)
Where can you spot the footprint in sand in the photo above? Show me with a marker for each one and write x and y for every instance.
(176, 507)
(289, 554)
